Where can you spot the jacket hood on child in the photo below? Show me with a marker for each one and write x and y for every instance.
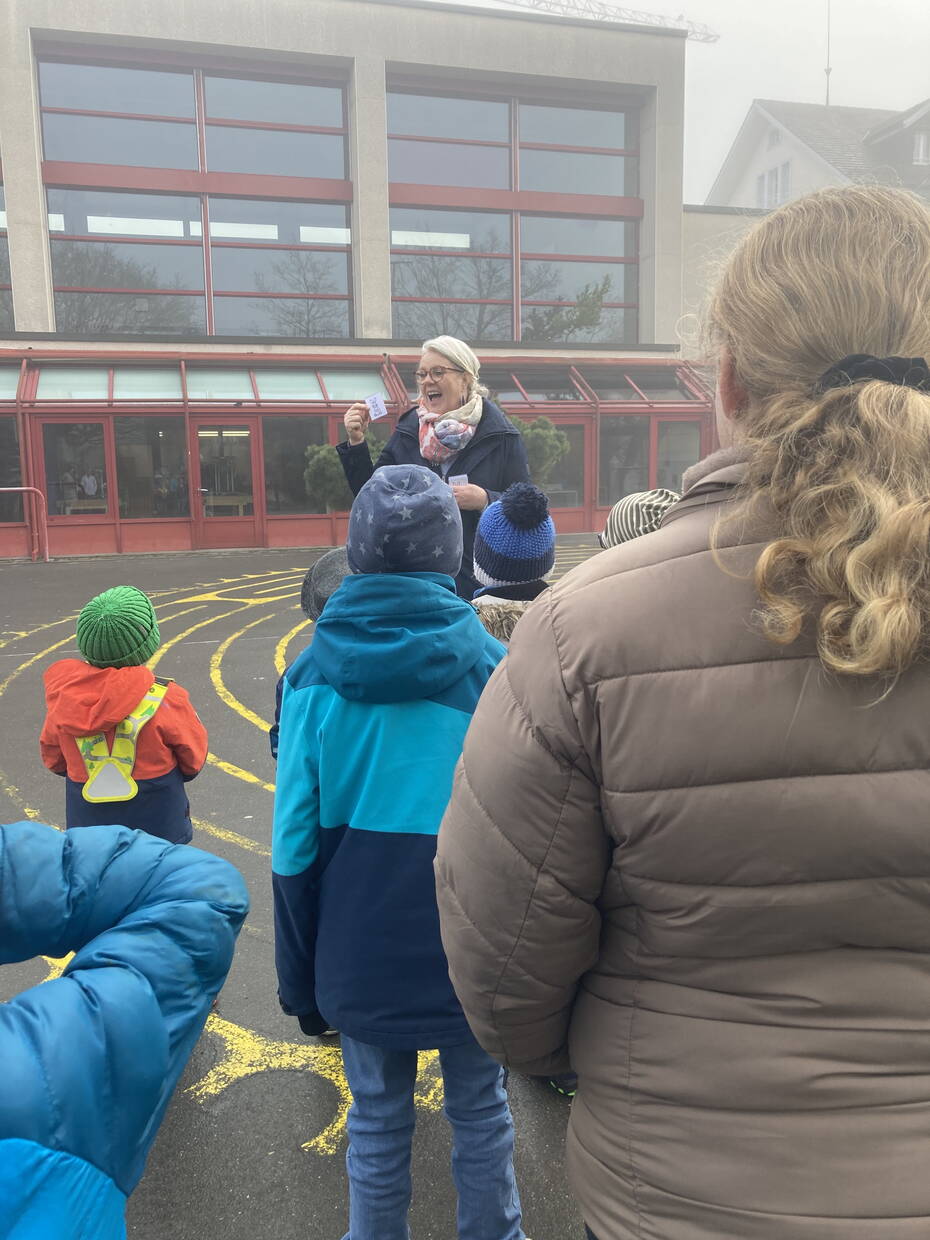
(395, 637)
(88, 699)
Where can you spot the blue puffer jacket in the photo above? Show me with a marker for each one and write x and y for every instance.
(373, 717)
(94, 1056)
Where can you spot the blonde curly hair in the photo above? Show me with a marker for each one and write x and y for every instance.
(846, 472)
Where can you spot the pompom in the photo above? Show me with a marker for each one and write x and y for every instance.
(524, 505)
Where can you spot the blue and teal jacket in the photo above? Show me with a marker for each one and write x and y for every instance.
(373, 717)
(91, 1059)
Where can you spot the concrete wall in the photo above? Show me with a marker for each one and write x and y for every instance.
(710, 233)
(373, 44)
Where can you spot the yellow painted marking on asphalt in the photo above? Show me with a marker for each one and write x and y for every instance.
(231, 769)
(216, 676)
(5, 684)
(56, 966)
(17, 797)
(231, 837)
(280, 663)
(248, 1053)
(202, 624)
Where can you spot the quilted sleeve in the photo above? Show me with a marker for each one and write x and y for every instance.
(522, 858)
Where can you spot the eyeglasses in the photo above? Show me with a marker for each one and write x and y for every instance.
(436, 372)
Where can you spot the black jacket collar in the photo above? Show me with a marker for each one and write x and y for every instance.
(524, 591)
(493, 422)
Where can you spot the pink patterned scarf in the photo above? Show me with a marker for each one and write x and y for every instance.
(444, 435)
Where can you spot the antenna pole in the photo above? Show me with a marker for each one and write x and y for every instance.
(829, 68)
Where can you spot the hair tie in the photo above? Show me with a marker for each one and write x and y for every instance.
(911, 372)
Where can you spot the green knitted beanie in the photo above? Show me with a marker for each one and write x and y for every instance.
(118, 629)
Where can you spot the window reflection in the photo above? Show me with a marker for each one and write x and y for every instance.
(439, 163)
(565, 482)
(420, 320)
(280, 316)
(101, 264)
(419, 228)
(75, 468)
(624, 458)
(102, 88)
(11, 506)
(241, 269)
(285, 443)
(100, 313)
(113, 140)
(581, 173)
(434, 117)
(225, 470)
(584, 321)
(552, 281)
(552, 234)
(288, 103)
(114, 213)
(151, 467)
(572, 126)
(275, 152)
(679, 447)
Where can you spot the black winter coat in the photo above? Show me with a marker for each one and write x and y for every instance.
(494, 459)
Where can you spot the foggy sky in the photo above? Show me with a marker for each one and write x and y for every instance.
(776, 49)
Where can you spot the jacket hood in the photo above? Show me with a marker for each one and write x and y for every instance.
(396, 637)
(85, 699)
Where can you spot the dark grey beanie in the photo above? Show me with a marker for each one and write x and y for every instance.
(322, 580)
(405, 520)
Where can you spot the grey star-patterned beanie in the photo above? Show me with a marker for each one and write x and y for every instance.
(405, 520)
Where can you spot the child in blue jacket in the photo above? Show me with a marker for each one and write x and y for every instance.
(373, 716)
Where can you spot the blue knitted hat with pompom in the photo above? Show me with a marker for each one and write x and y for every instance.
(515, 540)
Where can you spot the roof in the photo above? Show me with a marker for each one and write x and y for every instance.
(836, 134)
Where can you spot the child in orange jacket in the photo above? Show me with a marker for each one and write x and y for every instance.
(125, 740)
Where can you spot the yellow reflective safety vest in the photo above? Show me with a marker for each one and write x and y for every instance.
(109, 771)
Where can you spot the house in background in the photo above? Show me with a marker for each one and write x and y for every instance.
(784, 150)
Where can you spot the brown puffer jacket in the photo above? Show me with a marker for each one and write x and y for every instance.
(702, 865)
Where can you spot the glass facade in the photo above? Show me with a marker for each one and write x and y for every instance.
(125, 262)
(151, 466)
(225, 470)
(456, 271)
(11, 506)
(75, 469)
(679, 446)
(171, 264)
(286, 440)
(624, 457)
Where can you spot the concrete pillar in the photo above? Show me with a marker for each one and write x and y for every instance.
(660, 238)
(371, 237)
(21, 150)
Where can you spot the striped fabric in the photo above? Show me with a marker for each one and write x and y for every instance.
(639, 513)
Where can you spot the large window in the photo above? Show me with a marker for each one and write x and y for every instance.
(11, 506)
(452, 272)
(679, 446)
(564, 275)
(624, 457)
(456, 271)
(126, 262)
(286, 440)
(177, 262)
(151, 466)
(6, 288)
(75, 468)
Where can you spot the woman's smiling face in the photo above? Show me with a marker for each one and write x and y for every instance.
(446, 393)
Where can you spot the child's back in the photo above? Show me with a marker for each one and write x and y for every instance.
(373, 717)
(125, 741)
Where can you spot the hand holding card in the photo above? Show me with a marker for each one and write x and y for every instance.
(376, 406)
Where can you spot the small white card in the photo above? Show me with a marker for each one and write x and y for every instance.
(376, 407)
(457, 480)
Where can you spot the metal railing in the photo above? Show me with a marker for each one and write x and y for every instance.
(38, 526)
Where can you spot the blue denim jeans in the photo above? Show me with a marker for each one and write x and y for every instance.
(380, 1126)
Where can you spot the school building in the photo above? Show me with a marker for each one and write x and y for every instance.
(224, 223)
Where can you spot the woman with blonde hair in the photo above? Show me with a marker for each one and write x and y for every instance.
(454, 431)
(704, 879)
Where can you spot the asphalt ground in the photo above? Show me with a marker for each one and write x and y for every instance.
(253, 1144)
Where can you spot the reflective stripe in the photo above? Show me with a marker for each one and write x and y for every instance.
(109, 771)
